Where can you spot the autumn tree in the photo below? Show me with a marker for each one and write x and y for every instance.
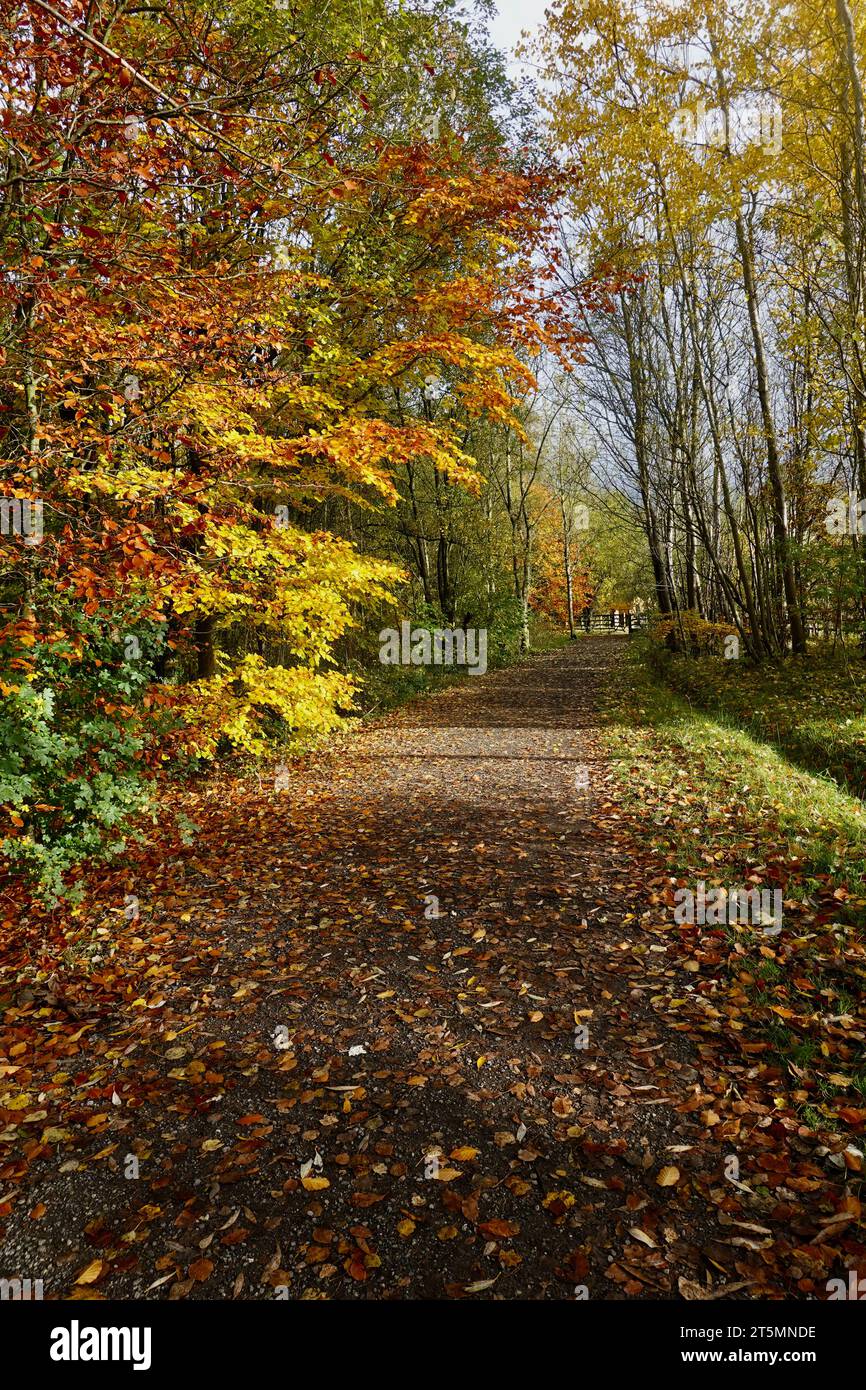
(235, 256)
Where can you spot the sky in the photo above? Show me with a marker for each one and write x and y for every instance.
(514, 16)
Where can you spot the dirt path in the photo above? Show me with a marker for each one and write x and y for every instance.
(291, 997)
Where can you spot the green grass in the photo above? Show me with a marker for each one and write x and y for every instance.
(708, 800)
(713, 781)
(812, 708)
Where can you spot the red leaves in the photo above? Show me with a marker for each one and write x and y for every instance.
(575, 1268)
(498, 1229)
(355, 1267)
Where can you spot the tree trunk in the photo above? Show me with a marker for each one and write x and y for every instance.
(204, 647)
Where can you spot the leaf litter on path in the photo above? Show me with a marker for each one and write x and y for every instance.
(543, 1103)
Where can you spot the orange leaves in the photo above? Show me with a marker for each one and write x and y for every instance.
(498, 1229)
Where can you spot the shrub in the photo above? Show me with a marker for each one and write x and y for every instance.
(73, 746)
(690, 633)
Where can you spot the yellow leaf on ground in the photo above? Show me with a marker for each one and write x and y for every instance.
(91, 1273)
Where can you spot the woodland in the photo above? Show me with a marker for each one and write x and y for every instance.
(433, 550)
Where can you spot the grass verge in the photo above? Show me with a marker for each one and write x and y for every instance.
(813, 709)
(712, 803)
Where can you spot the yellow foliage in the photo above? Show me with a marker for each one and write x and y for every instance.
(690, 632)
(237, 705)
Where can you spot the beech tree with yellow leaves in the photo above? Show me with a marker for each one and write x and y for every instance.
(720, 152)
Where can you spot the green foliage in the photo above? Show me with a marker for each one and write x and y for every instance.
(617, 556)
(72, 745)
(384, 686)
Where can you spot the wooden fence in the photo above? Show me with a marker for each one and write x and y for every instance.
(616, 621)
